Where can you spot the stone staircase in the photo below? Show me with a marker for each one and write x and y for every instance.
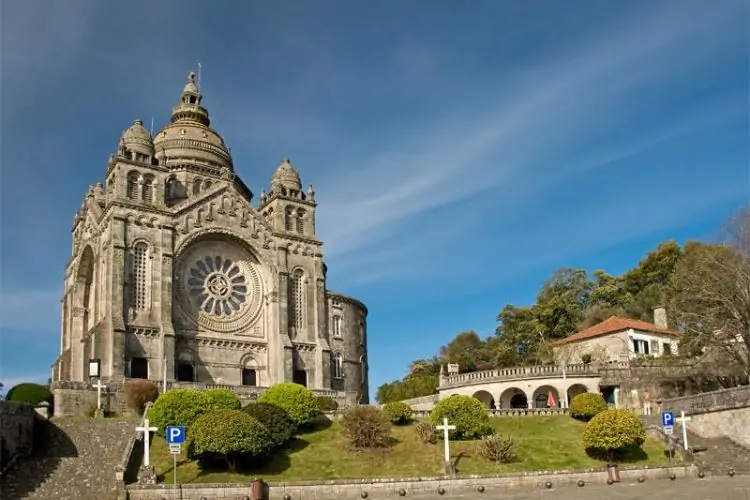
(714, 456)
(75, 459)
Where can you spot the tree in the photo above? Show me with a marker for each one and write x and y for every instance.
(710, 294)
(466, 350)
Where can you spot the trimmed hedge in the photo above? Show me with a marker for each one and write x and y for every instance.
(276, 420)
(223, 399)
(178, 407)
(298, 401)
(228, 434)
(614, 430)
(327, 403)
(587, 405)
(468, 415)
(29, 393)
(399, 412)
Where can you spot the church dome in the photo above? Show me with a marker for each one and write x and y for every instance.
(286, 176)
(137, 139)
(189, 136)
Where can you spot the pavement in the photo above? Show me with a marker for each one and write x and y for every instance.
(710, 488)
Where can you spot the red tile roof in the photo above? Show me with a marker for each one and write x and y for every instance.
(615, 324)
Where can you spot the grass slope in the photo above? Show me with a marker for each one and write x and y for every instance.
(545, 443)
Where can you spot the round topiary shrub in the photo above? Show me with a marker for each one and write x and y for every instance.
(587, 405)
(177, 407)
(222, 399)
(29, 393)
(613, 430)
(138, 393)
(399, 412)
(298, 401)
(366, 427)
(468, 415)
(276, 420)
(229, 435)
(327, 403)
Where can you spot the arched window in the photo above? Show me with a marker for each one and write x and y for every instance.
(298, 299)
(338, 365)
(132, 185)
(207, 185)
(148, 188)
(300, 221)
(336, 322)
(289, 220)
(170, 189)
(196, 186)
(139, 277)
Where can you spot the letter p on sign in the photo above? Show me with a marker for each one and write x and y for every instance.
(175, 434)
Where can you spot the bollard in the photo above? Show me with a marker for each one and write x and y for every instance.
(259, 489)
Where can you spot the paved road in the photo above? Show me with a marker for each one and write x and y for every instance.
(713, 488)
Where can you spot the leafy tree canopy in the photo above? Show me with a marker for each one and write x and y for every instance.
(705, 287)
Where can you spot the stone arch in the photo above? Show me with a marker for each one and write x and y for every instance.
(83, 305)
(486, 398)
(576, 389)
(541, 395)
(513, 397)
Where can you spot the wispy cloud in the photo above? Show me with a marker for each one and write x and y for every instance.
(493, 142)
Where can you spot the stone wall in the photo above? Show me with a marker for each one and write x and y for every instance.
(388, 488)
(16, 431)
(423, 403)
(724, 413)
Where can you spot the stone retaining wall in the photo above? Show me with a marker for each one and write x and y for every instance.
(388, 488)
(724, 399)
(16, 432)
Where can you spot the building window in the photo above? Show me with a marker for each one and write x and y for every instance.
(300, 221)
(185, 372)
(132, 186)
(300, 377)
(196, 186)
(139, 368)
(289, 220)
(148, 189)
(667, 349)
(139, 277)
(298, 299)
(336, 326)
(249, 377)
(654, 347)
(338, 365)
(641, 347)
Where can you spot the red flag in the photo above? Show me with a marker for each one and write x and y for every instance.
(551, 400)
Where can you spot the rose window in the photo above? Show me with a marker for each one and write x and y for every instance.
(217, 286)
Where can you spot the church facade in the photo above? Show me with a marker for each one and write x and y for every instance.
(175, 273)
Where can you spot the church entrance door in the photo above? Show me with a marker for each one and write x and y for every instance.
(300, 377)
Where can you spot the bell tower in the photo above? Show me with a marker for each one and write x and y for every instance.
(287, 207)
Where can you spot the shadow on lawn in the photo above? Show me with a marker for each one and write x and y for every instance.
(630, 455)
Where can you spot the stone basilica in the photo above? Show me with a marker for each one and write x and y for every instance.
(176, 274)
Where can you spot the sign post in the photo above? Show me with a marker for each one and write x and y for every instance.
(446, 442)
(683, 423)
(667, 422)
(146, 430)
(99, 386)
(175, 438)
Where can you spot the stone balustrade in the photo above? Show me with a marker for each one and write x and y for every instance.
(518, 372)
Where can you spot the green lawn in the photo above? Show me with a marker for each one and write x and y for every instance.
(545, 443)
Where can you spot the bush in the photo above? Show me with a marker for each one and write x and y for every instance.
(222, 399)
(29, 393)
(279, 425)
(496, 448)
(327, 403)
(229, 435)
(468, 415)
(298, 402)
(367, 426)
(177, 407)
(138, 393)
(587, 405)
(613, 430)
(586, 358)
(399, 412)
(427, 432)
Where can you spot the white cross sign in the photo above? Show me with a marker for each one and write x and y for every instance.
(146, 430)
(683, 420)
(446, 443)
(99, 386)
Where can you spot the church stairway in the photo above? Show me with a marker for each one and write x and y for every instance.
(717, 456)
(76, 459)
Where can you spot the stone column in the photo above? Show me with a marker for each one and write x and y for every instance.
(77, 347)
(116, 298)
(163, 304)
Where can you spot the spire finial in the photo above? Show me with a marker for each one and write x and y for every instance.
(191, 77)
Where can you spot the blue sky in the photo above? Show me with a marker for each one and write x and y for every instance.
(461, 151)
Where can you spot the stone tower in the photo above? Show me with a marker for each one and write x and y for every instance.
(175, 274)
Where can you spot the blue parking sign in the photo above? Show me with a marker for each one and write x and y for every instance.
(175, 434)
(667, 419)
